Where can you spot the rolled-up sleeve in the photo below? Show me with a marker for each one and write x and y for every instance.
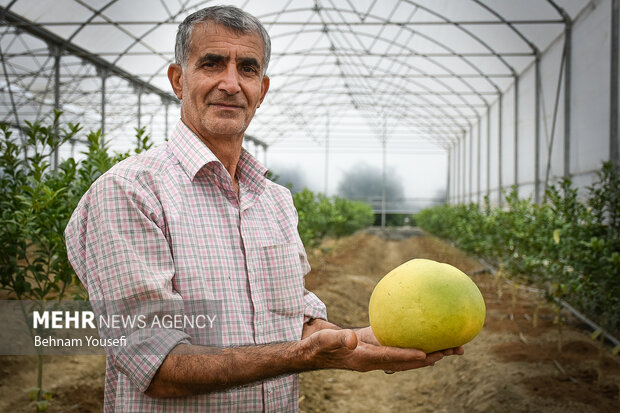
(313, 306)
(117, 246)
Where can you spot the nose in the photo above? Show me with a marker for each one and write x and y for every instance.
(229, 82)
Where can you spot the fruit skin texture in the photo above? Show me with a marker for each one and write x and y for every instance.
(426, 305)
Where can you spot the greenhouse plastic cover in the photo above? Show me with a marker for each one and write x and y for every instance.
(352, 71)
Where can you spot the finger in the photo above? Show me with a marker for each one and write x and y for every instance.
(397, 354)
(453, 351)
(433, 358)
(337, 339)
(413, 364)
(348, 339)
(367, 336)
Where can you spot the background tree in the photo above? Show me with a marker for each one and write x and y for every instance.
(364, 182)
(292, 178)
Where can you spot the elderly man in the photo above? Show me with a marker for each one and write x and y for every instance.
(196, 219)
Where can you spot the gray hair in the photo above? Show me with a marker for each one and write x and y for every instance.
(229, 16)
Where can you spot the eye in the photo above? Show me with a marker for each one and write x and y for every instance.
(249, 69)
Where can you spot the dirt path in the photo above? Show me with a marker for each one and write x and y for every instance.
(510, 367)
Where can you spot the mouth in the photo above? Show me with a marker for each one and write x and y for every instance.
(226, 105)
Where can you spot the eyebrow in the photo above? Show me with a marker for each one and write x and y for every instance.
(210, 57)
(249, 61)
(217, 58)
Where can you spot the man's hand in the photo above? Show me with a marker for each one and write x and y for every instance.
(359, 350)
(191, 369)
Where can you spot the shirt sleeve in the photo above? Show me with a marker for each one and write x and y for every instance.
(313, 306)
(116, 244)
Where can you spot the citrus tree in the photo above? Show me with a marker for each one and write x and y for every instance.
(36, 202)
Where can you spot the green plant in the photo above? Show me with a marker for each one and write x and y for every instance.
(569, 246)
(36, 202)
(320, 216)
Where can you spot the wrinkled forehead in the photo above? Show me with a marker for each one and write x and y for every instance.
(209, 35)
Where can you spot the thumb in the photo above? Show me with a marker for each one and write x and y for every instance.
(348, 339)
(336, 339)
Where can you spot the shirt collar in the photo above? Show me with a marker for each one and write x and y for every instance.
(193, 155)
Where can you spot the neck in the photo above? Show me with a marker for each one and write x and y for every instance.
(226, 148)
(228, 151)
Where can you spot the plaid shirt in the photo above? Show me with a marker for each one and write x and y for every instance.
(168, 225)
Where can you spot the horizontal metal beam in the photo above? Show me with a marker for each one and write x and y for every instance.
(40, 32)
(256, 141)
(309, 53)
(316, 23)
(388, 75)
(406, 92)
(364, 53)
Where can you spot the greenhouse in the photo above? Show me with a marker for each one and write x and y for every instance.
(501, 94)
(490, 124)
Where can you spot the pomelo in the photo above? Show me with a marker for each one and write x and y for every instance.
(427, 305)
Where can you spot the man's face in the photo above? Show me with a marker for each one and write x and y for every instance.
(222, 83)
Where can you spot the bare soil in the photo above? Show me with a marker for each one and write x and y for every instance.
(512, 366)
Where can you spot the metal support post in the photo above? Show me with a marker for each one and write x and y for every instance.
(463, 168)
(103, 74)
(139, 91)
(471, 164)
(383, 177)
(499, 149)
(457, 172)
(448, 191)
(488, 191)
(568, 36)
(57, 56)
(614, 153)
(326, 174)
(537, 130)
(516, 132)
(479, 160)
(166, 107)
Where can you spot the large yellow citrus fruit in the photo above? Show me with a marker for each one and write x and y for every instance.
(426, 305)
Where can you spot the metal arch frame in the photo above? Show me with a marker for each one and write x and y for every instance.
(430, 39)
(493, 52)
(307, 104)
(364, 17)
(137, 39)
(401, 46)
(453, 53)
(500, 111)
(58, 47)
(305, 76)
(568, 24)
(39, 32)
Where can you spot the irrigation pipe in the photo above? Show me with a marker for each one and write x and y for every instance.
(570, 308)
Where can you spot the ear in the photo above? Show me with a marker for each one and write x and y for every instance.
(175, 75)
(264, 89)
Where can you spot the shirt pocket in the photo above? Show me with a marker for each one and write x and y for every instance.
(284, 279)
